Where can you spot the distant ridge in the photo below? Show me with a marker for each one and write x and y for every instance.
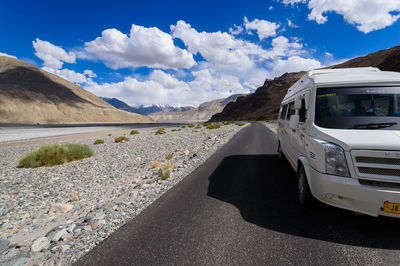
(192, 114)
(30, 95)
(122, 105)
(264, 103)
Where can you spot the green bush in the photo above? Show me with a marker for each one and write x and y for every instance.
(160, 131)
(56, 154)
(190, 125)
(226, 123)
(175, 129)
(213, 126)
(239, 124)
(109, 135)
(98, 141)
(183, 126)
(198, 126)
(134, 132)
(164, 174)
(169, 156)
(121, 139)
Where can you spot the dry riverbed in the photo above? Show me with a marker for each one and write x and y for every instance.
(54, 215)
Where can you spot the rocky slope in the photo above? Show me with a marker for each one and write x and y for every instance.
(31, 95)
(264, 102)
(191, 114)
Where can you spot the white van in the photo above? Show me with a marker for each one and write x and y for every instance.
(340, 131)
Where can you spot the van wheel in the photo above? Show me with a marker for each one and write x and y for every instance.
(280, 153)
(306, 199)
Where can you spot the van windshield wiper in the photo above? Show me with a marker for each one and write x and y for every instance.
(373, 125)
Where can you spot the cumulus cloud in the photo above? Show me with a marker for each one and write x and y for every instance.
(264, 28)
(164, 88)
(294, 64)
(149, 47)
(4, 54)
(67, 74)
(291, 24)
(89, 73)
(366, 15)
(53, 56)
(236, 30)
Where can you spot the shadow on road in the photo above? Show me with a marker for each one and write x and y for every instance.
(264, 190)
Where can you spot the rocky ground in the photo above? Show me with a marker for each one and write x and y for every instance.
(54, 215)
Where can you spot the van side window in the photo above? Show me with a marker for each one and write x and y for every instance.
(302, 111)
(283, 113)
(291, 111)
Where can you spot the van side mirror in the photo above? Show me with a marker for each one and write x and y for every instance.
(297, 104)
(294, 121)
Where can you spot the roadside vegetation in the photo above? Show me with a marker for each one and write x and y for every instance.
(160, 131)
(175, 129)
(121, 139)
(212, 125)
(190, 125)
(183, 126)
(134, 132)
(98, 141)
(109, 135)
(198, 126)
(226, 123)
(56, 154)
(239, 124)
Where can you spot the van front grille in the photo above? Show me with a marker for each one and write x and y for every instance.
(379, 171)
(377, 160)
(380, 184)
(377, 164)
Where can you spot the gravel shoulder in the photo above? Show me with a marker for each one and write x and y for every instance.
(54, 215)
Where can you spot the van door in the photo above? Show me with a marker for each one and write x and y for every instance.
(298, 136)
(290, 149)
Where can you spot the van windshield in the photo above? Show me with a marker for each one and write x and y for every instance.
(358, 108)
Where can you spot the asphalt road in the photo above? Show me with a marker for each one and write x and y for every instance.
(240, 208)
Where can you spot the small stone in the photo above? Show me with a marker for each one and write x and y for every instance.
(26, 215)
(40, 243)
(65, 248)
(61, 235)
(187, 152)
(20, 261)
(62, 207)
(3, 245)
(71, 228)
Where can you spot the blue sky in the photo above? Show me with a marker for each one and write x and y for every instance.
(188, 52)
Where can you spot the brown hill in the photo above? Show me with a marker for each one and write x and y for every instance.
(265, 101)
(191, 114)
(31, 95)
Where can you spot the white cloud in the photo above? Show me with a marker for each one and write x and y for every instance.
(4, 54)
(149, 47)
(53, 56)
(236, 30)
(270, 8)
(163, 88)
(294, 64)
(264, 28)
(89, 73)
(291, 24)
(292, 2)
(366, 15)
(67, 74)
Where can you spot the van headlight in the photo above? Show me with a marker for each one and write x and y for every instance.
(335, 161)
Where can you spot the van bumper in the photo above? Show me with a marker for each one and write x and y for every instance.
(348, 193)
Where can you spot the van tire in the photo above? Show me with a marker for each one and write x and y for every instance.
(306, 199)
(280, 153)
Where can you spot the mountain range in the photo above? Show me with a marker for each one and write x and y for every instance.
(31, 95)
(264, 103)
(191, 114)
